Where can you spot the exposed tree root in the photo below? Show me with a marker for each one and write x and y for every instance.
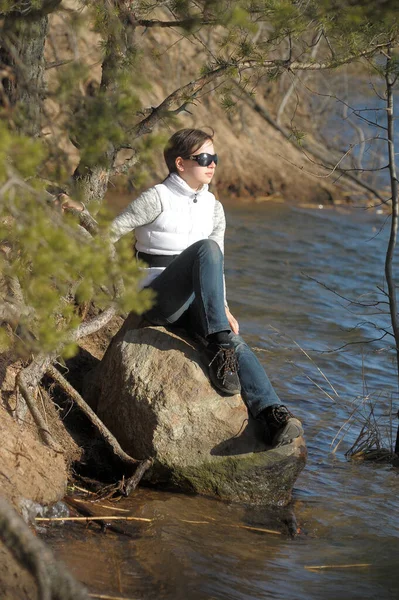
(91, 415)
(53, 580)
(115, 490)
(129, 485)
(44, 433)
(29, 378)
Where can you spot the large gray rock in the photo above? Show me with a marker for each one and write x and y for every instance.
(152, 391)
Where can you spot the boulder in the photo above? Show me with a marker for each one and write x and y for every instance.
(152, 391)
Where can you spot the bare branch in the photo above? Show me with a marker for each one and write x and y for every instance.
(189, 23)
(93, 325)
(296, 65)
(126, 165)
(304, 146)
(351, 302)
(58, 63)
(355, 111)
(356, 343)
(180, 96)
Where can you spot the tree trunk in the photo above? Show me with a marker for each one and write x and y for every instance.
(91, 182)
(390, 78)
(22, 49)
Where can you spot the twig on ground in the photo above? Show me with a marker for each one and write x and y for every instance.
(92, 518)
(79, 501)
(145, 520)
(105, 597)
(350, 566)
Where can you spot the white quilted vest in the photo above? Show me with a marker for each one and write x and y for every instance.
(182, 220)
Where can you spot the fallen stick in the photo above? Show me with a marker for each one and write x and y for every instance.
(88, 519)
(80, 489)
(194, 522)
(125, 510)
(350, 566)
(103, 597)
(257, 529)
(262, 529)
(85, 508)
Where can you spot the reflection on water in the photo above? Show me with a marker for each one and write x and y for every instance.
(347, 511)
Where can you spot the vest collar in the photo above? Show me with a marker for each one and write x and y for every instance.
(175, 183)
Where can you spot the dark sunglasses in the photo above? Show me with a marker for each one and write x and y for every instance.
(204, 159)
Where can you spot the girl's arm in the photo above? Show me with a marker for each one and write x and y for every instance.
(143, 210)
(219, 228)
(219, 225)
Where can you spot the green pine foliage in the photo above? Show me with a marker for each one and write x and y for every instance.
(58, 267)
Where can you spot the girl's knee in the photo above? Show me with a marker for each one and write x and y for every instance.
(211, 247)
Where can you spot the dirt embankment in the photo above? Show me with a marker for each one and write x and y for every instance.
(30, 472)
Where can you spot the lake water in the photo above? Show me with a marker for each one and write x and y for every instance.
(196, 548)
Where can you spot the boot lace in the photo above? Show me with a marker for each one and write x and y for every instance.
(280, 414)
(228, 362)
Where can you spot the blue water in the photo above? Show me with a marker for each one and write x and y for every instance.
(347, 510)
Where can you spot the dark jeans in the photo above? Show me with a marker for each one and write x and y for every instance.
(190, 293)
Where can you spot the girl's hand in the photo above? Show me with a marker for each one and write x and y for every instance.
(234, 326)
(65, 203)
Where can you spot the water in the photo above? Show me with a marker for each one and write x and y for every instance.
(195, 547)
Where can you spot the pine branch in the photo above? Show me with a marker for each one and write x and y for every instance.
(188, 23)
(181, 96)
(295, 65)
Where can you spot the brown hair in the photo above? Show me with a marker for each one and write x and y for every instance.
(184, 143)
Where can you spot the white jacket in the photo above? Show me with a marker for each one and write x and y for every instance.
(186, 217)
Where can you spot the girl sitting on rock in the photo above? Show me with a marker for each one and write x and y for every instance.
(179, 228)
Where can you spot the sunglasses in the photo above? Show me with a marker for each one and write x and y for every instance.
(204, 159)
